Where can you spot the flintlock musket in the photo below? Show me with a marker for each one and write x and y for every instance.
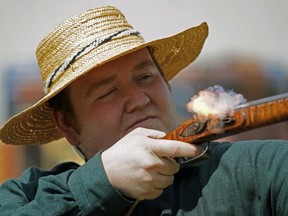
(248, 116)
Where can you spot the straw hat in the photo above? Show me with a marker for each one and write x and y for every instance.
(82, 43)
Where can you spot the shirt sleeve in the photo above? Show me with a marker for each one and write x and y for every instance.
(68, 189)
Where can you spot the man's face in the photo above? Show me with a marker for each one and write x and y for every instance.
(115, 98)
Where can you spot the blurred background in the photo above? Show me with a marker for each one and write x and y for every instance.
(246, 51)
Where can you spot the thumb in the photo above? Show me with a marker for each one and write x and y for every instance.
(149, 133)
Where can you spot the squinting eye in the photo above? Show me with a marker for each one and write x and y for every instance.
(107, 94)
(145, 77)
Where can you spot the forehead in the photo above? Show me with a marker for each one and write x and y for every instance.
(130, 58)
(128, 62)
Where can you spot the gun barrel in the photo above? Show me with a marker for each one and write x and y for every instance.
(274, 98)
(265, 111)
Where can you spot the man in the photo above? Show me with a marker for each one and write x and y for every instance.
(107, 92)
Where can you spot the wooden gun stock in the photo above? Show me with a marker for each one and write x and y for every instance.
(255, 114)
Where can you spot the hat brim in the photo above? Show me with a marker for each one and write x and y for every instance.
(35, 125)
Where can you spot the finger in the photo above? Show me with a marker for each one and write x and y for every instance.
(169, 166)
(172, 148)
(162, 182)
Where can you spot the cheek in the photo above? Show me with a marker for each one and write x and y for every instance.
(163, 97)
(100, 125)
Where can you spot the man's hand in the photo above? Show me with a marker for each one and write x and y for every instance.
(141, 165)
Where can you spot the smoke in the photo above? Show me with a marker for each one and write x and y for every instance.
(215, 103)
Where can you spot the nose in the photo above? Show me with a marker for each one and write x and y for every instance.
(136, 99)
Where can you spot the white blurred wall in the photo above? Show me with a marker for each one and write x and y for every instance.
(253, 27)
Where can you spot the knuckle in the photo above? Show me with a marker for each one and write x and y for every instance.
(148, 179)
(139, 129)
(150, 166)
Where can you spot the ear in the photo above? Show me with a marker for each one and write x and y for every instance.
(66, 128)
